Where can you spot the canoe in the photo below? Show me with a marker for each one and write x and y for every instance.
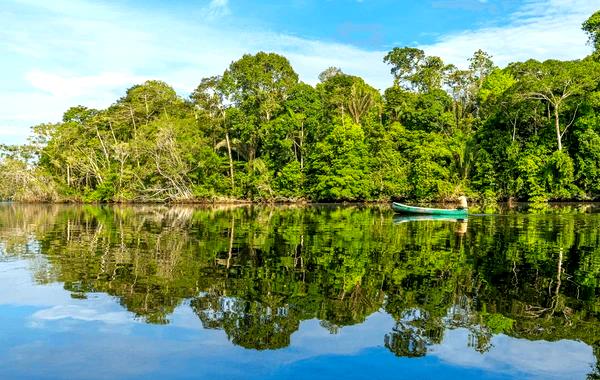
(413, 210)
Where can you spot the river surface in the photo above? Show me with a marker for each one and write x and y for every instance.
(316, 292)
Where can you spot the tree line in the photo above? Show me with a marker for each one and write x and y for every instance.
(529, 131)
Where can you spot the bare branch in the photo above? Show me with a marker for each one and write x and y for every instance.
(571, 122)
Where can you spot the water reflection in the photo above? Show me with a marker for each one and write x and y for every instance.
(260, 274)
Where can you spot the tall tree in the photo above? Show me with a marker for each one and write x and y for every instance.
(258, 85)
(329, 73)
(561, 85)
(414, 70)
(481, 65)
(208, 98)
(405, 63)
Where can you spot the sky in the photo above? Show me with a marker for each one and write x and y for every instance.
(61, 53)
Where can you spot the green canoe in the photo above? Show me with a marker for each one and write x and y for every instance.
(412, 210)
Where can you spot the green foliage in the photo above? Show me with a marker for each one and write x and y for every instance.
(495, 84)
(560, 176)
(259, 83)
(20, 181)
(412, 69)
(290, 180)
(497, 323)
(588, 161)
(338, 165)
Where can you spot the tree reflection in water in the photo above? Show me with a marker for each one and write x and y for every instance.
(257, 272)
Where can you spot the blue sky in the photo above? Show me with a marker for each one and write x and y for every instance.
(60, 53)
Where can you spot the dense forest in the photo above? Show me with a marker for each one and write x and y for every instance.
(529, 131)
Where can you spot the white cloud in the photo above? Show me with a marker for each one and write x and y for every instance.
(78, 85)
(218, 8)
(537, 359)
(81, 313)
(541, 29)
(13, 131)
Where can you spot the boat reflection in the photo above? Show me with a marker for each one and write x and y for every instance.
(411, 218)
(461, 227)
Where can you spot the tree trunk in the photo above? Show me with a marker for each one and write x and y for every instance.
(456, 115)
(230, 160)
(557, 126)
(147, 108)
(301, 151)
(231, 236)
(133, 122)
(121, 174)
(103, 146)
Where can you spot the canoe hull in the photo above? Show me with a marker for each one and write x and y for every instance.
(412, 210)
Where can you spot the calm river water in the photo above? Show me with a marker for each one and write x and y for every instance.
(102, 292)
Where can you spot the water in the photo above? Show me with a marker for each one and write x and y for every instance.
(99, 292)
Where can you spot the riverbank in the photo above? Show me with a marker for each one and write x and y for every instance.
(223, 200)
(475, 207)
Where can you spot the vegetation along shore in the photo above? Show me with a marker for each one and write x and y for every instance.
(529, 131)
